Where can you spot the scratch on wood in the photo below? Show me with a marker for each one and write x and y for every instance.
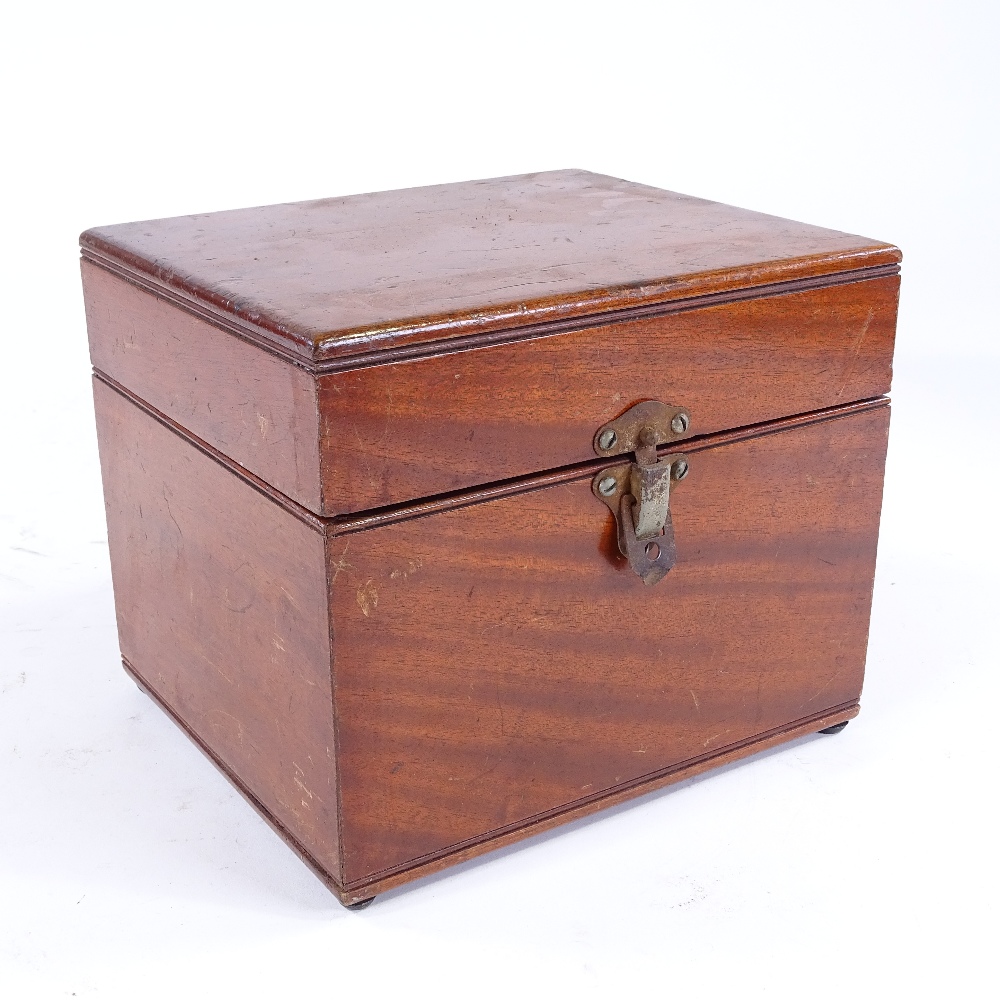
(503, 728)
(368, 598)
(170, 513)
(412, 566)
(341, 564)
(481, 775)
(297, 778)
(857, 350)
(217, 726)
(830, 680)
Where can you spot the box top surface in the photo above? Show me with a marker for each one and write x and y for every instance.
(347, 277)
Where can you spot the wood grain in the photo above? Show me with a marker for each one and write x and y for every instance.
(221, 598)
(395, 433)
(345, 276)
(347, 453)
(587, 807)
(371, 887)
(498, 670)
(390, 434)
(245, 402)
(499, 663)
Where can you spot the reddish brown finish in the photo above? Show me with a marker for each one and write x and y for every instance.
(222, 610)
(390, 434)
(444, 745)
(497, 663)
(348, 451)
(394, 433)
(344, 276)
(585, 807)
(246, 402)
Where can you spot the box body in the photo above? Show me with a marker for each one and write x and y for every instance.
(366, 571)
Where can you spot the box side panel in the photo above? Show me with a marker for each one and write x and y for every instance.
(221, 598)
(394, 433)
(250, 405)
(499, 663)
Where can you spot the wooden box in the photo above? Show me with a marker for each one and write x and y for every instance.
(371, 465)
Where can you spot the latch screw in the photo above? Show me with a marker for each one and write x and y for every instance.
(679, 425)
(607, 485)
(607, 439)
(680, 469)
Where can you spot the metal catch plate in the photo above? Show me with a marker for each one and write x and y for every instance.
(662, 424)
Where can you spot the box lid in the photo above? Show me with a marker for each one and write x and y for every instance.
(332, 281)
(422, 342)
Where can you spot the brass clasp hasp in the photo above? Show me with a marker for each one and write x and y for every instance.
(638, 493)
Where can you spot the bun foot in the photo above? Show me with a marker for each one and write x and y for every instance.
(361, 905)
(830, 730)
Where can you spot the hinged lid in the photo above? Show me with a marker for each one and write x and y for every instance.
(339, 277)
(591, 293)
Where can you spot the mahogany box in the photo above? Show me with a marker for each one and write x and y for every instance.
(440, 517)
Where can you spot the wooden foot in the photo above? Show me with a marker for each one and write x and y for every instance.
(361, 905)
(830, 730)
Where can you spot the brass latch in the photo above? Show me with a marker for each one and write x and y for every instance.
(638, 492)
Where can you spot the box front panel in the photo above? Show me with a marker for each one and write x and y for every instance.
(499, 662)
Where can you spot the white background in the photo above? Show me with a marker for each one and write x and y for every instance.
(860, 865)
